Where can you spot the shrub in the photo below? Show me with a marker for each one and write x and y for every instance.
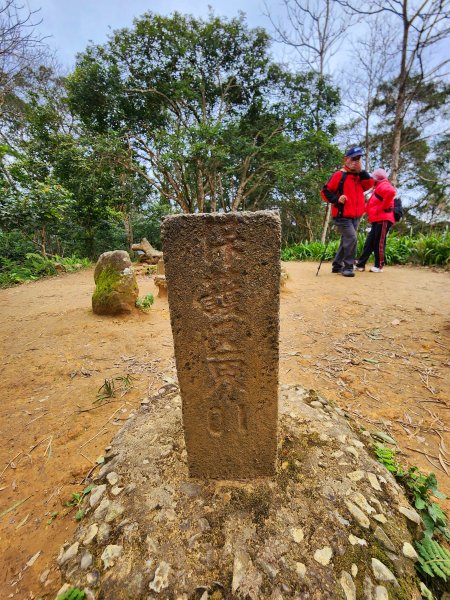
(426, 250)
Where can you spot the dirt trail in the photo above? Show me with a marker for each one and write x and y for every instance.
(337, 336)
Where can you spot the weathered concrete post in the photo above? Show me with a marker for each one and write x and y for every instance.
(223, 277)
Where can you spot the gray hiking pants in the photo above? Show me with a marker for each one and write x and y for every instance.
(345, 256)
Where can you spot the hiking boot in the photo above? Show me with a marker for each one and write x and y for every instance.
(336, 270)
(375, 270)
(348, 273)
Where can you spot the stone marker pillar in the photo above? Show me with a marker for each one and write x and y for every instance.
(223, 278)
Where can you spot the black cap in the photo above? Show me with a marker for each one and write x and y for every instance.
(354, 151)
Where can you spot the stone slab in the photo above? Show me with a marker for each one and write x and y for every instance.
(223, 274)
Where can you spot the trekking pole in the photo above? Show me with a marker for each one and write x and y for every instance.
(324, 253)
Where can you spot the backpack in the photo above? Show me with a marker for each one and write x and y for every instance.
(340, 188)
(398, 210)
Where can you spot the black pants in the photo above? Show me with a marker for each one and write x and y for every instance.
(376, 243)
(345, 256)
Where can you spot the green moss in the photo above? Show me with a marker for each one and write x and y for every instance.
(107, 282)
(256, 502)
(104, 300)
(291, 456)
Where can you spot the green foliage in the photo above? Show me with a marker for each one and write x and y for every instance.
(18, 265)
(77, 499)
(73, 594)
(145, 303)
(434, 559)
(386, 456)
(425, 250)
(208, 120)
(108, 388)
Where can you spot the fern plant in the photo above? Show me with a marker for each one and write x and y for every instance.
(434, 559)
(73, 594)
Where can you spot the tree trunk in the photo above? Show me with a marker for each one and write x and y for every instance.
(326, 224)
(128, 230)
(400, 105)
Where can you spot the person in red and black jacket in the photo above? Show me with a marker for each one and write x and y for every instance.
(345, 191)
(380, 212)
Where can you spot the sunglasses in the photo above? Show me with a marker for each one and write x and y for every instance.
(355, 158)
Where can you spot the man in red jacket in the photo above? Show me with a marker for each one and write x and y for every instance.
(345, 191)
(380, 212)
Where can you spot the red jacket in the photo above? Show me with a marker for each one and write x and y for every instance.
(381, 203)
(355, 185)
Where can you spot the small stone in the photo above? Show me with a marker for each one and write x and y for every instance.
(90, 534)
(115, 491)
(101, 510)
(383, 538)
(358, 514)
(115, 510)
(145, 401)
(202, 523)
(362, 503)
(341, 520)
(103, 534)
(323, 437)
(93, 578)
(269, 569)
(352, 450)
(44, 575)
(112, 478)
(356, 475)
(66, 555)
(337, 454)
(409, 551)
(410, 514)
(356, 540)
(96, 494)
(377, 503)
(316, 404)
(161, 579)
(297, 534)
(342, 438)
(381, 593)
(380, 518)
(241, 564)
(323, 555)
(110, 554)
(275, 595)
(300, 569)
(86, 561)
(374, 481)
(190, 489)
(356, 443)
(66, 587)
(354, 569)
(348, 585)
(381, 572)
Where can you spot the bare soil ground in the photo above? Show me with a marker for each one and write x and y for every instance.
(378, 345)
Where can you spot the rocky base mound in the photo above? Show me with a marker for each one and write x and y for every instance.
(332, 525)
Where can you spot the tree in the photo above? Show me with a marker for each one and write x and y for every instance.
(21, 46)
(424, 25)
(374, 54)
(315, 30)
(209, 121)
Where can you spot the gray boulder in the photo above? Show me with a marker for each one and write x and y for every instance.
(116, 290)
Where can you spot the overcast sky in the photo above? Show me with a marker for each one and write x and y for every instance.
(71, 24)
